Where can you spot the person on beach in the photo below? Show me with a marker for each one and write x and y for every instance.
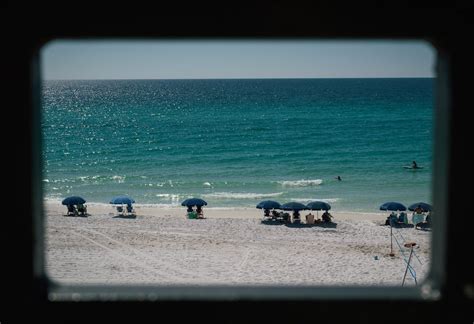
(391, 219)
(403, 218)
(326, 217)
(296, 217)
(418, 210)
(275, 214)
(71, 210)
(428, 218)
(199, 212)
(191, 214)
(310, 219)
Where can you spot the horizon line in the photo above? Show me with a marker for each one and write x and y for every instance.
(258, 78)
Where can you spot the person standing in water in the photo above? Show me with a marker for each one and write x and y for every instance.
(414, 165)
(339, 178)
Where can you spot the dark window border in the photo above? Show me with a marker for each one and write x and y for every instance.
(447, 29)
(429, 289)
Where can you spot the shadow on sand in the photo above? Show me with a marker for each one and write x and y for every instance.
(79, 215)
(126, 216)
(272, 222)
(303, 225)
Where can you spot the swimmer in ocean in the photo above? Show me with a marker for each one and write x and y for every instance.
(339, 178)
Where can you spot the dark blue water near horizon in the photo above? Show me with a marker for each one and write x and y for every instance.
(236, 142)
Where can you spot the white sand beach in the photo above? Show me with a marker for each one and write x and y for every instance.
(229, 247)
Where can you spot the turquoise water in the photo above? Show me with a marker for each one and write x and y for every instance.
(237, 142)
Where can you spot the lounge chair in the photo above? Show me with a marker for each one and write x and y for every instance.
(417, 219)
(398, 224)
(425, 225)
(310, 219)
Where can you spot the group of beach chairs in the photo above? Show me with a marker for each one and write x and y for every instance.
(127, 211)
(77, 210)
(286, 218)
(419, 220)
(81, 210)
(194, 214)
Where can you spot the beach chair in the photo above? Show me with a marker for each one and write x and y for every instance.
(130, 211)
(402, 218)
(71, 210)
(326, 217)
(425, 225)
(417, 219)
(286, 217)
(120, 210)
(82, 209)
(310, 219)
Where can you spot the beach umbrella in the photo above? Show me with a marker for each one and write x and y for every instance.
(268, 204)
(293, 206)
(318, 205)
(74, 200)
(426, 207)
(193, 202)
(392, 205)
(122, 200)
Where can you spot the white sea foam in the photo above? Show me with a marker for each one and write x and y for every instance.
(207, 184)
(301, 183)
(171, 196)
(242, 195)
(307, 200)
(119, 179)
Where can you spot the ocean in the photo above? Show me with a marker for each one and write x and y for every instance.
(237, 142)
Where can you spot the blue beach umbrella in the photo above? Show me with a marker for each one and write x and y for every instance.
(193, 202)
(74, 200)
(392, 205)
(269, 204)
(122, 200)
(426, 207)
(293, 206)
(318, 205)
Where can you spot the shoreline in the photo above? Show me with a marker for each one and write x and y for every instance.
(56, 208)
